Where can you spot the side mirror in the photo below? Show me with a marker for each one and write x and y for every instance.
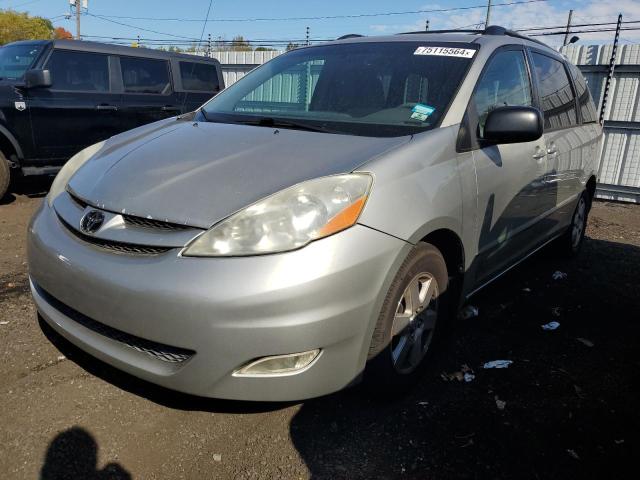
(37, 78)
(513, 125)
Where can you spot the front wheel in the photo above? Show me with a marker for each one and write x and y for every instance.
(5, 175)
(405, 331)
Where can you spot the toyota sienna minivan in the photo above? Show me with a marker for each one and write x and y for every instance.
(315, 224)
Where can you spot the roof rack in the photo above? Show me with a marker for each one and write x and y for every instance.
(498, 30)
(490, 30)
(349, 35)
(479, 32)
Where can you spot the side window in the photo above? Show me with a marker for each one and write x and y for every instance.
(201, 77)
(585, 102)
(556, 95)
(144, 75)
(504, 82)
(79, 71)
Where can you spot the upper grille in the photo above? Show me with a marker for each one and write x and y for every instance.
(159, 351)
(152, 224)
(136, 221)
(78, 200)
(119, 247)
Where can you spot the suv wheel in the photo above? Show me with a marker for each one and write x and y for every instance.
(5, 175)
(404, 334)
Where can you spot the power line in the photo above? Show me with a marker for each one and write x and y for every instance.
(522, 29)
(140, 28)
(323, 17)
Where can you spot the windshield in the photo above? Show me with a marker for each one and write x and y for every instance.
(370, 88)
(17, 59)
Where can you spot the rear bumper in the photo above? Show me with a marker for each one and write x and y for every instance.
(226, 311)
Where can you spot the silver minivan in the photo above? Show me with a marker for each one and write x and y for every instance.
(317, 222)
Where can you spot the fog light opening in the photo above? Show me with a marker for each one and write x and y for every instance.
(279, 365)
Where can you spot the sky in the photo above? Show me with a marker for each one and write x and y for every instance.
(521, 15)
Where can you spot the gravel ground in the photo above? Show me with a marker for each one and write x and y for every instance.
(566, 408)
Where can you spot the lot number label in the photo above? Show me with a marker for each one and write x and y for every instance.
(445, 52)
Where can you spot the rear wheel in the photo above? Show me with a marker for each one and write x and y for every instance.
(571, 242)
(5, 175)
(404, 335)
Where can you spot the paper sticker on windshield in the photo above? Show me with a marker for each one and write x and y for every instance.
(421, 112)
(446, 52)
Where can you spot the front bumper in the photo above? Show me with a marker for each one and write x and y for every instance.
(225, 311)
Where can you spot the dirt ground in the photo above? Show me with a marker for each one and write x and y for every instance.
(570, 397)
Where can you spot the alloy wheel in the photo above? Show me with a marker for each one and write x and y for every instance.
(414, 323)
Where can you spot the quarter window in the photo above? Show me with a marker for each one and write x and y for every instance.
(556, 94)
(505, 82)
(201, 77)
(79, 71)
(144, 75)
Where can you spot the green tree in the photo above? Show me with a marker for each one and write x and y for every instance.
(291, 46)
(239, 44)
(16, 26)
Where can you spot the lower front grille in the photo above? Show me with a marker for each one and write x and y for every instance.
(120, 247)
(159, 351)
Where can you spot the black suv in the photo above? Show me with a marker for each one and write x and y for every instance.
(57, 97)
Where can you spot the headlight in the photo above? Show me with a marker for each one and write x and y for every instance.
(69, 168)
(288, 219)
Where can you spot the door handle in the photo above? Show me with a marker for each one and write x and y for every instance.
(170, 108)
(111, 108)
(539, 155)
(552, 151)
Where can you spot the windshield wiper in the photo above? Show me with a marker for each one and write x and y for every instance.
(280, 123)
(204, 114)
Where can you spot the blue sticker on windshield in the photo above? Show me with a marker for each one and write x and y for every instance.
(421, 112)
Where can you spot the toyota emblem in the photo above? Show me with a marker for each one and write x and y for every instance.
(92, 221)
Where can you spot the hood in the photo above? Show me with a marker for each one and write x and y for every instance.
(199, 173)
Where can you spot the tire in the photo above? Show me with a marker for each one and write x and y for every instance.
(570, 244)
(397, 355)
(5, 175)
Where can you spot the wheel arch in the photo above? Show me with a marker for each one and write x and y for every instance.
(591, 188)
(9, 145)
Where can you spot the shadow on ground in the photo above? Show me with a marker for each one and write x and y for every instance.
(32, 187)
(73, 454)
(570, 396)
(570, 411)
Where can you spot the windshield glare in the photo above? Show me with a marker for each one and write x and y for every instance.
(370, 89)
(17, 59)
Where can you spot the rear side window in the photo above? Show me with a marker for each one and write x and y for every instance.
(505, 82)
(556, 95)
(201, 77)
(79, 71)
(144, 75)
(585, 102)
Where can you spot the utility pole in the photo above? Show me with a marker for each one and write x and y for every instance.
(566, 35)
(612, 67)
(209, 46)
(78, 12)
(78, 5)
(426, 26)
(486, 22)
(307, 36)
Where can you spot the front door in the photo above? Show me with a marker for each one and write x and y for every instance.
(78, 110)
(510, 177)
